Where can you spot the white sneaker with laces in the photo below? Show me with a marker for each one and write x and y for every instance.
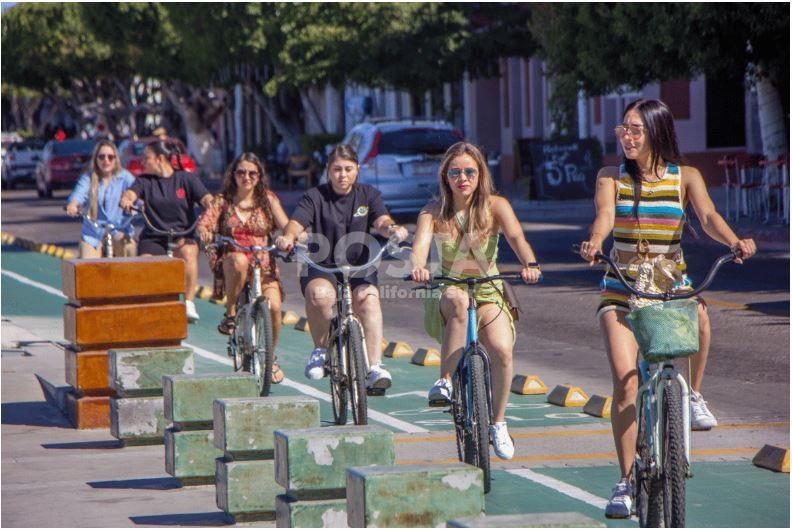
(701, 419)
(440, 394)
(620, 503)
(378, 380)
(315, 369)
(501, 441)
(192, 313)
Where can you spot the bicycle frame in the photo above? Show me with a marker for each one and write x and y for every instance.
(171, 234)
(108, 229)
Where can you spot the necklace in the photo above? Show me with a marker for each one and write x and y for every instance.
(247, 208)
(650, 191)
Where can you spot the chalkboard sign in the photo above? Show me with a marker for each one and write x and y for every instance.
(562, 169)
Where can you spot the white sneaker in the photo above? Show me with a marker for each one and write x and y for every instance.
(378, 380)
(440, 394)
(315, 369)
(701, 419)
(192, 314)
(620, 503)
(501, 441)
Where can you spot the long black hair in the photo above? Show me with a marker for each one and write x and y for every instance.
(170, 150)
(660, 134)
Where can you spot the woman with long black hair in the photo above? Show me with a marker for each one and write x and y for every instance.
(170, 194)
(643, 203)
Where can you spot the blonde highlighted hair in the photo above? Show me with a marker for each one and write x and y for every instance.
(480, 217)
(93, 197)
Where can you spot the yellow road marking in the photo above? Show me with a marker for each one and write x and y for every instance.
(588, 456)
(445, 437)
(723, 303)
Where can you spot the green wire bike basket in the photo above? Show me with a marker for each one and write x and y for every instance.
(666, 330)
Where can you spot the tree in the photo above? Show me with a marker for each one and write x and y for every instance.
(600, 48)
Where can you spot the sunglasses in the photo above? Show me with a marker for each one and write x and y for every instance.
(470, 172)
(635, 130)
(241, 173)
(103, 156)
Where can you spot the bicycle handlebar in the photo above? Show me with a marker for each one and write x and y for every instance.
(171, 232)
(100, 224)
(670, 295)
(437, 281)
(300, 251)
(231, 241)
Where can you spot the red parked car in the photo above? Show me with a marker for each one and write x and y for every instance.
(131, 153)
(61, 164)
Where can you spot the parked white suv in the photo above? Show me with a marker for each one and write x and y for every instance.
(19, 163)
(402, 158)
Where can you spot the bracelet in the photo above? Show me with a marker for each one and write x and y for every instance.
(533, 265)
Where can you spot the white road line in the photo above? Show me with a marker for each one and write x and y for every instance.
(562, 487)
(311, 391)
(28, 281)
(303, 389)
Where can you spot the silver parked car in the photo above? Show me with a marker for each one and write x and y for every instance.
(401, 158)
(20, 162)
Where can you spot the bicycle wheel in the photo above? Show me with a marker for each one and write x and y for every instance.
(243, 336)
(648, 491)
(338, 391)
(356, 364)
(263, 351)
(478, 420)
(459, 410)
(674, 462)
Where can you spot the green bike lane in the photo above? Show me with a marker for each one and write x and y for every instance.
(728, 493)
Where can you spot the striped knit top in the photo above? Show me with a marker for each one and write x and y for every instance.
(661, 214)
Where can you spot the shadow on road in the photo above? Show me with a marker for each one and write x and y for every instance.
(33, 413)
(158, 483)
(184, 519)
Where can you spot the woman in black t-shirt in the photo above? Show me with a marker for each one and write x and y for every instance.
(169, 194)
(333, 211)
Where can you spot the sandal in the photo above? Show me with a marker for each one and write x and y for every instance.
(277, 373)
(227, 325)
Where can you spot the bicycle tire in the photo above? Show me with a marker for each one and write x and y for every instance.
(459, 411)
(356, 364)
(674, 462)
(338, 391)
(477, 436)
(263, 350)
(648, 490)
(243, 339)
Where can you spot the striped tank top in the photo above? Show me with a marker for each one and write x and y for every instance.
(661, 214)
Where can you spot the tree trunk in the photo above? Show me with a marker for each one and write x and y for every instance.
(771, 119)
(307, 102)
(198, 114)
(286, 123)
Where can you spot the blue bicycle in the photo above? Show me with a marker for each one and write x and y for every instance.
(471, 398)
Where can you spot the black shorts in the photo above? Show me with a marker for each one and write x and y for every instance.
(156, 245)
(354, 281)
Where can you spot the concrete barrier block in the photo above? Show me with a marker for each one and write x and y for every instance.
(398, 349)
(413, 495)
(244, 427)
(87, 370)
(125, 325)
(599, 406)
(291, 512)
(88, 412)
(528, 520)
(246, 486)
(190, 455)
(528, 385)
(138, 372)
(426, 357)
(310, 461)
(138, 420)
(773, 457)
(189, 397)
(568, 396)
(97, 280)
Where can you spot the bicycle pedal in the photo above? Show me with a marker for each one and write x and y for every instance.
(375, 391)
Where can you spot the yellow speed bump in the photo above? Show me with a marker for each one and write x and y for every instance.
(383, 344)
(773, 457)
(203, 292)
(528, 385)
(398, 349)
(426, 357)
(568, 396)
(289, 318)
(302, 325)
(60, 252)
(599, 406)
(68, 254)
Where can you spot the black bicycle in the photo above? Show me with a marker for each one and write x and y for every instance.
(664, 331)
(171, 234)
